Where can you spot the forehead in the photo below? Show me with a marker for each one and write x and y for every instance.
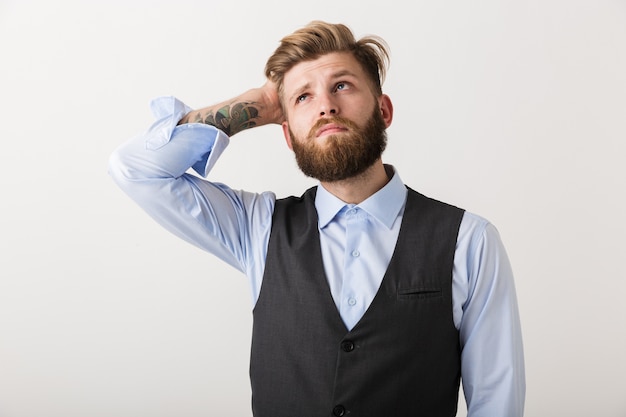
(323, 68)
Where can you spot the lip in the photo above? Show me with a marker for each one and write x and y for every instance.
(330, 128)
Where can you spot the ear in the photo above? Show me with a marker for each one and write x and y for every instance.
(386, 109)
(285, 126)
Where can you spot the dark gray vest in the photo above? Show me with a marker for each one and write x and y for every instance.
(401, 359)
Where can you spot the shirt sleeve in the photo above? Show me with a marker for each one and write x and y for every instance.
(164, 169)
(492, 357)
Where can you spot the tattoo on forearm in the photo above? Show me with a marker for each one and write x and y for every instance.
(231, 118)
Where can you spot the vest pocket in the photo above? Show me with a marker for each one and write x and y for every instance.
(419, 293)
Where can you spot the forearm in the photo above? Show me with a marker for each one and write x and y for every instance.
(255, 107)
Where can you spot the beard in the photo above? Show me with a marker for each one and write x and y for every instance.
(344, 155)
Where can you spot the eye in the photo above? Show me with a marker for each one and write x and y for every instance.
(301, 98)
(341, 86)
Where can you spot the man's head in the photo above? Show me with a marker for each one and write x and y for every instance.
(320, 38)
(329, 85)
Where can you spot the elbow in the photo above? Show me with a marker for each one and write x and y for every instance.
(121, 167)
(117, 168)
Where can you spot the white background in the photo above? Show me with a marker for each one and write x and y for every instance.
(513, 110)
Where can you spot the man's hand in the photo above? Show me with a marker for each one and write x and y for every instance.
(272, 103)
(255, 107)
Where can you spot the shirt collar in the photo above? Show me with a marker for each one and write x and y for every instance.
(384, 205)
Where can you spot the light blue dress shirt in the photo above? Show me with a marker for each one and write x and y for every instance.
(357, 242)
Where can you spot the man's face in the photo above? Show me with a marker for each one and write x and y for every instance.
(342, 155)
(335, 125)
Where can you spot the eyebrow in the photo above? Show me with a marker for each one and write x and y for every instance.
(299, 91)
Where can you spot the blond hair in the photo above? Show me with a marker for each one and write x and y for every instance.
(320, 38)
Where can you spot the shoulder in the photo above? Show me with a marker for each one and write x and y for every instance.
(479, 240)
(477, 226)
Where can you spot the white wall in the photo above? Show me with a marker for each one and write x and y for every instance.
(513, 110)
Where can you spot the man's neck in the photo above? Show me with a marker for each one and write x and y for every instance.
(355, 190)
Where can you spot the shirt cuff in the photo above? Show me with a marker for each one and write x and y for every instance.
(206, 163)
(167, 111)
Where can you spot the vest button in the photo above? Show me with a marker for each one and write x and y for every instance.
(339, 411)
(347, 346)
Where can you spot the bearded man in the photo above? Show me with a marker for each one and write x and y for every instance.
(370, 299)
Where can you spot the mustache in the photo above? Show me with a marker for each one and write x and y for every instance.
(341, 121)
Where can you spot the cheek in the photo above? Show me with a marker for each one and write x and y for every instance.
(299, 127)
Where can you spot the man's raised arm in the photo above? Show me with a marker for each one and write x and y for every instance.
(152, 168)
(255, 107)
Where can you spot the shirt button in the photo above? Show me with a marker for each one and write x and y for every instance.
(356, 253)
(339, 411)
(351, 301)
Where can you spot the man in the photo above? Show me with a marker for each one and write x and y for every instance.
(370, 299)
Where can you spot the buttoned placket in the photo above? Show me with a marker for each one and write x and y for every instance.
(352, 303)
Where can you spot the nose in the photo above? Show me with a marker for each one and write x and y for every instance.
(328, 106)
